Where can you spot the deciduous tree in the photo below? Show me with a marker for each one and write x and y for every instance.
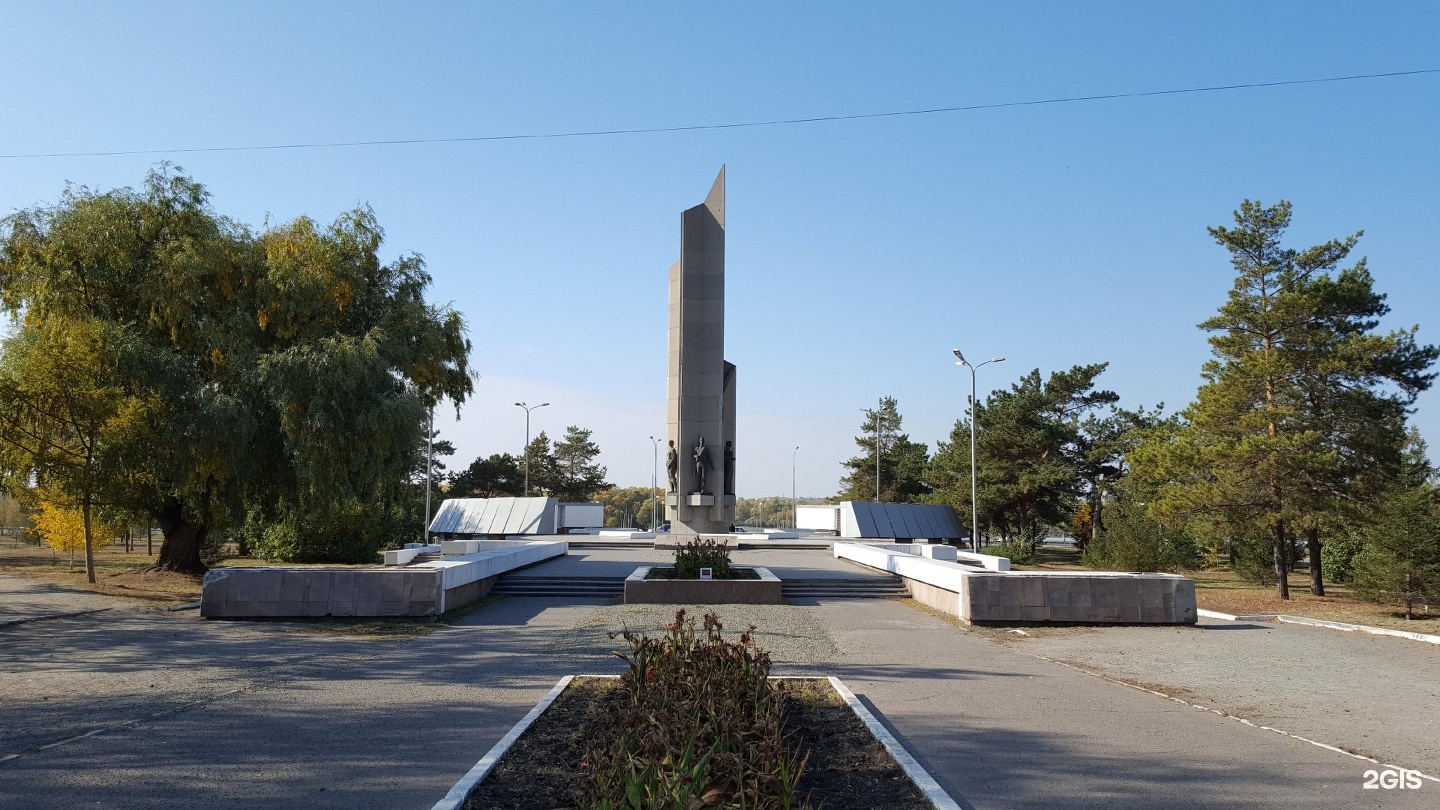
(291, 367)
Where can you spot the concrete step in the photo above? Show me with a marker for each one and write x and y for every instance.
(602, 587)
(848, 588)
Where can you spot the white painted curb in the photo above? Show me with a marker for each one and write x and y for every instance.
(1231, 617)
(1363, 628)
(1349, 628)
(922, 778)
(455, 799)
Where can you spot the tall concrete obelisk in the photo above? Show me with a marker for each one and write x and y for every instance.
(701, 385)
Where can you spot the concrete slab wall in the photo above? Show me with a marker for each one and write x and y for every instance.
(1098, 597)
(273, 593)
(417, 591)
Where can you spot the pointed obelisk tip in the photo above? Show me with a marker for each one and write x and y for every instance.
(716, 198)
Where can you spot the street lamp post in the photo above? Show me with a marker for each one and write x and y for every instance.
(974, 498)
(794, 502)
(528, 409)
(654, 481)
(429, 466)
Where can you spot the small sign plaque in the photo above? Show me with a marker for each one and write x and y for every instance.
(706, 573)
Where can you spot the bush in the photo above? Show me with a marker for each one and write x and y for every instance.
(703, 728)
(1019, 552)
(1337, 556)
(347, 532)
(1131, 541)
(1253, 558)
(1400, 564)
(702, 552)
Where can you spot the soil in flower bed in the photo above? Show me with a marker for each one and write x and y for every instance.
(848, 768)
(660, 572)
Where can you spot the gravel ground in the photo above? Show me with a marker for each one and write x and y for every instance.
(1373, 695)
(796, 640)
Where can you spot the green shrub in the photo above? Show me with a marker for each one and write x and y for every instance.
(1131, 541)
(1252, 556)
(1400, 564)
(703, 728)
(702, 552)
(348, 532)
(1337, 556)
(1020, 552)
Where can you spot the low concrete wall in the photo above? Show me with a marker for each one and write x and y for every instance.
(762, 591)
(418, 591)
(274, 593)
(1086, 597)
(1064, 596)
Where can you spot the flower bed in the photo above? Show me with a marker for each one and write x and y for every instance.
(697, 722)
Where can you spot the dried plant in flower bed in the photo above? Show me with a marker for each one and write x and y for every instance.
(695, 723)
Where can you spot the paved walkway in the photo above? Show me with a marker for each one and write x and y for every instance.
(619, 563)
(238, 715)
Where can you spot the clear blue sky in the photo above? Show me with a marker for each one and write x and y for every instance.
(859, 253)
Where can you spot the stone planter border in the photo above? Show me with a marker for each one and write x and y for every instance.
(455, 799)
(762, 591)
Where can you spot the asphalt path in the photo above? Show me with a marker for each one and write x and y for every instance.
(191, 713)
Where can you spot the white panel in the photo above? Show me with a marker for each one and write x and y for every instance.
(819, 517)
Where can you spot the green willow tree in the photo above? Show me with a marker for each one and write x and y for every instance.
(902, 461)
(1302, 401)
(289, 367)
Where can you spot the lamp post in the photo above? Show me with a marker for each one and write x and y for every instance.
(974, 498)
(654, 481)
(429, 465)
(528, 409)
(794, 503)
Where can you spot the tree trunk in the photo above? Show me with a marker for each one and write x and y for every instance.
(180, 550)
(1312, 544)
(89, 541)
(1282, 575)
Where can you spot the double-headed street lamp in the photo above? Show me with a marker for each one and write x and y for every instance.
(528, 409)
(974, 498)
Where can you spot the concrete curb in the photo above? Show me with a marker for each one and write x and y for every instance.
(1231, 617)
(28, 619)
(455, 799)
(1347, 627)
(1363, 628)
(922, 778)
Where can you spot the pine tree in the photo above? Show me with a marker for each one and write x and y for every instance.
(901, 462)
(1299, 390)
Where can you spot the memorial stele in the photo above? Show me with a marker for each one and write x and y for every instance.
(700, 415)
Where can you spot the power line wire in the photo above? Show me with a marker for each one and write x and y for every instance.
(731, 125)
